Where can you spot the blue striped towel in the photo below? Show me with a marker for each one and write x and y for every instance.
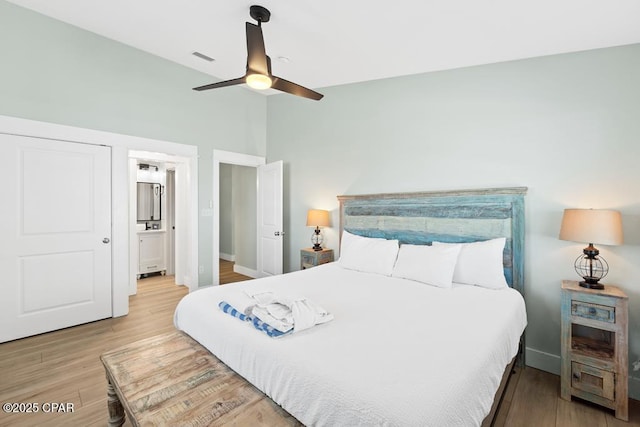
(226, 307)
(269, 330)
(257, 323)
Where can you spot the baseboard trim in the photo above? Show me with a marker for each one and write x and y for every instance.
(541, 360)
(245, 271)
(551, 363)
(227, 257)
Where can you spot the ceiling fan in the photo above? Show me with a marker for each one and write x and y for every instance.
(258, 75)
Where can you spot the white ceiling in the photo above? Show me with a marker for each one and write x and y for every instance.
(334, 42)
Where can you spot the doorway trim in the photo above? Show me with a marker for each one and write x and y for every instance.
(120, 145)
(181, 249)
(231, 158)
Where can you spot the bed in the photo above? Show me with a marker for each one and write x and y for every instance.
(399, 351)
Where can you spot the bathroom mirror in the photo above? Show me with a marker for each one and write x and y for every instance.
(149, 196)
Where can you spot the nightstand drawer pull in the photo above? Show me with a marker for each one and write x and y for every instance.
(602, 313)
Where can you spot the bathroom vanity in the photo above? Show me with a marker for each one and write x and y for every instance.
(151, 235)
(151, 252)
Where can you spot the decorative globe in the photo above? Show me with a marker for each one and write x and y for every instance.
(317, 239)
(591, 269)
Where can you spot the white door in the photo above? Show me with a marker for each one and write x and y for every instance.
(171, 222)
(270, 234)
(55, 231)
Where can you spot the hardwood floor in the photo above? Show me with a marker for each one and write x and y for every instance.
(227, 275)
(64, 367)
(533, 400)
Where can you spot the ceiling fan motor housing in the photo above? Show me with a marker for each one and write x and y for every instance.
(259, 13)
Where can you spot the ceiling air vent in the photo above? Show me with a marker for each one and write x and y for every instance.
(203, 56)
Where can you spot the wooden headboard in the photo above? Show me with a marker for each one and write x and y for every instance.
(445, 216)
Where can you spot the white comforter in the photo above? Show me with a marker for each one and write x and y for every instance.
(398, 352)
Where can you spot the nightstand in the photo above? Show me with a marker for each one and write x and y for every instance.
(310, 258)
(595, 346)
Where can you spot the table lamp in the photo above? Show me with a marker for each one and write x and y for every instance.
(591, 226)
(317, 218)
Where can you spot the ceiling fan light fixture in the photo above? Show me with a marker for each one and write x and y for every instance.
(259, 81)
(258, 75)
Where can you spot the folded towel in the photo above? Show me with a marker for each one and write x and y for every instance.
(227, 308)
(273, 314)
(276, 315)
(307, 314)
(261, 297)
(284, 314)
(272, 332)
(257, 323)
(241, 301)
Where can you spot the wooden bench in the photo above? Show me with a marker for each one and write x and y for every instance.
(172, 380)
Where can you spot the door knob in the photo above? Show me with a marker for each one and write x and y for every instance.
(106, 240)
(276, 233)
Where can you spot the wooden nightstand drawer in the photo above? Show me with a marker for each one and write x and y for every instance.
(308, 259)
(593, 380)
(325, 257)
(602, 313)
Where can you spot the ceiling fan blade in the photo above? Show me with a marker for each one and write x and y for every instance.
(256, 53)
(225, 83)
(295, 89)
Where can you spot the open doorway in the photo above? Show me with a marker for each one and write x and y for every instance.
(223, 173)
(238, 223)
(269, 215)
(159, 243)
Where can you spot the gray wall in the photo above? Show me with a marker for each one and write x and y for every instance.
(245, 219)
(566, 126)
(54, 72)
(238, 220)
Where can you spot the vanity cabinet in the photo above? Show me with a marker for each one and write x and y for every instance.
(151, 252)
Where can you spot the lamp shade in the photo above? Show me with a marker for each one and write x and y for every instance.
(599, 226)
(317, 218)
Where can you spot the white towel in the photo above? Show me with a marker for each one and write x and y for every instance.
(262, 297)
(285, 314)
(244, 301)
(307, 314)
(276, 315)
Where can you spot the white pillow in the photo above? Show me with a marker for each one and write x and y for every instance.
(433, 265)
(480, 263)
(368, 254)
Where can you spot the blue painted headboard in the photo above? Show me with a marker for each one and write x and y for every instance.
(445, 216)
